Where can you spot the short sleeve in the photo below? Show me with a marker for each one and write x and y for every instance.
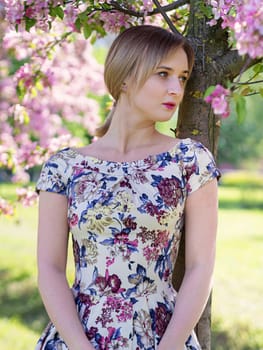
(200, 167)
(53, 176)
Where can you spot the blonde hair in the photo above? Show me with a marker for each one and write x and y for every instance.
(135, 53)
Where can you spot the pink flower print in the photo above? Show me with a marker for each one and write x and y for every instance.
(123, 309)
(162, 319)
(114, 283)
(91, 332)
(126, 312)
(162, 239)
(121, 237)
(86, 304)
(166, 275)
(114, 303)
(101, 283)
(189, 170)
(109, 283)
(170, 191)
(130, 223)
(151, 254)
(125, 183)
(105, 316)
(151, 209)
(80, 187)
(109, 261)
(73, 220)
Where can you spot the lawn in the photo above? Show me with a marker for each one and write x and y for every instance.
(238, 285)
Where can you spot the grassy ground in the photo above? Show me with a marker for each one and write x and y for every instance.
(238, 287)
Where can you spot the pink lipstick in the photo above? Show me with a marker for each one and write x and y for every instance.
(169, 105)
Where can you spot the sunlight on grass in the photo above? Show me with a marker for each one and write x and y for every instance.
(238, 286)
(15, 336)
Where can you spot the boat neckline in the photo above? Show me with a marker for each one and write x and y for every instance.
(150, 156)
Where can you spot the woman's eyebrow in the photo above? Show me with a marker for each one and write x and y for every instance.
(170, 69)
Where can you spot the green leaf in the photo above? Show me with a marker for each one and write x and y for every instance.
(87, 30)
(258, 68)
(78, 24)
(93, 38)
(56, 12)
(20, 90)
(206, 10)
(245, 91)
(241, 108)
(30, 22)
(209, 90)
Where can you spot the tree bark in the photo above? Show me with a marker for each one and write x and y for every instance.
(196, 119)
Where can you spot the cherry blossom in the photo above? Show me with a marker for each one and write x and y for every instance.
(48, 76)
(27, 196)
(245, 19)
(218, 99)
(114, 21)
(53, 90)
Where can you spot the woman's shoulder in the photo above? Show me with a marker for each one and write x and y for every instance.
(63, 155)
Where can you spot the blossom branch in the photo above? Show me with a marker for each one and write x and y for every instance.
(166, 18)
(249, 82)
(158, 10)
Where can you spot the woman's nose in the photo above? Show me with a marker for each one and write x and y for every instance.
(175, 88)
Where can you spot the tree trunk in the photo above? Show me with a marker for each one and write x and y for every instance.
(196, 119)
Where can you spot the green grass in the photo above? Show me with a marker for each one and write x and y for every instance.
(242, 190)
(238, 287)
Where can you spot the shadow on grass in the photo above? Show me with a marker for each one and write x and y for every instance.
(240, 204)
(20, 299)
(239, 336)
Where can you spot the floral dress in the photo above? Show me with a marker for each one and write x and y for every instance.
(126, 220)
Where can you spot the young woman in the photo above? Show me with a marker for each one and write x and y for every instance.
(125, 199)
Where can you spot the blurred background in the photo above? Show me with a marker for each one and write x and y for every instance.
(238, 284)
(237, 321)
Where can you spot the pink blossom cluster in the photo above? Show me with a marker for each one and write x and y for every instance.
(147, 5)
(248, 29)
(6, 208)
(245, 19)
(114, 21)
(15, 11)
(56, 89)
(26, 196)
(219, 101)
(39, 10)
(70, 16)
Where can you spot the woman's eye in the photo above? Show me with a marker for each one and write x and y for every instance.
(163, 74)
(183, 79)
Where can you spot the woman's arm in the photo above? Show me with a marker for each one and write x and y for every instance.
(52, 259)
(200, 245)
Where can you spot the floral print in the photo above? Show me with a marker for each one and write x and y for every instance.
(126, 220)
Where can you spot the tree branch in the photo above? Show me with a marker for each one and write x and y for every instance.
(232, 64)
(166, 18)
(175, 5)
(250, 82)
(167, 8)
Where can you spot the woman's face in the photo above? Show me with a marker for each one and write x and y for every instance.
(163, 91)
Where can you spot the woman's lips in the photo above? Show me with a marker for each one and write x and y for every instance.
(169, 105)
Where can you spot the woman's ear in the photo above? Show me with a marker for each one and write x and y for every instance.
(124, 87)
